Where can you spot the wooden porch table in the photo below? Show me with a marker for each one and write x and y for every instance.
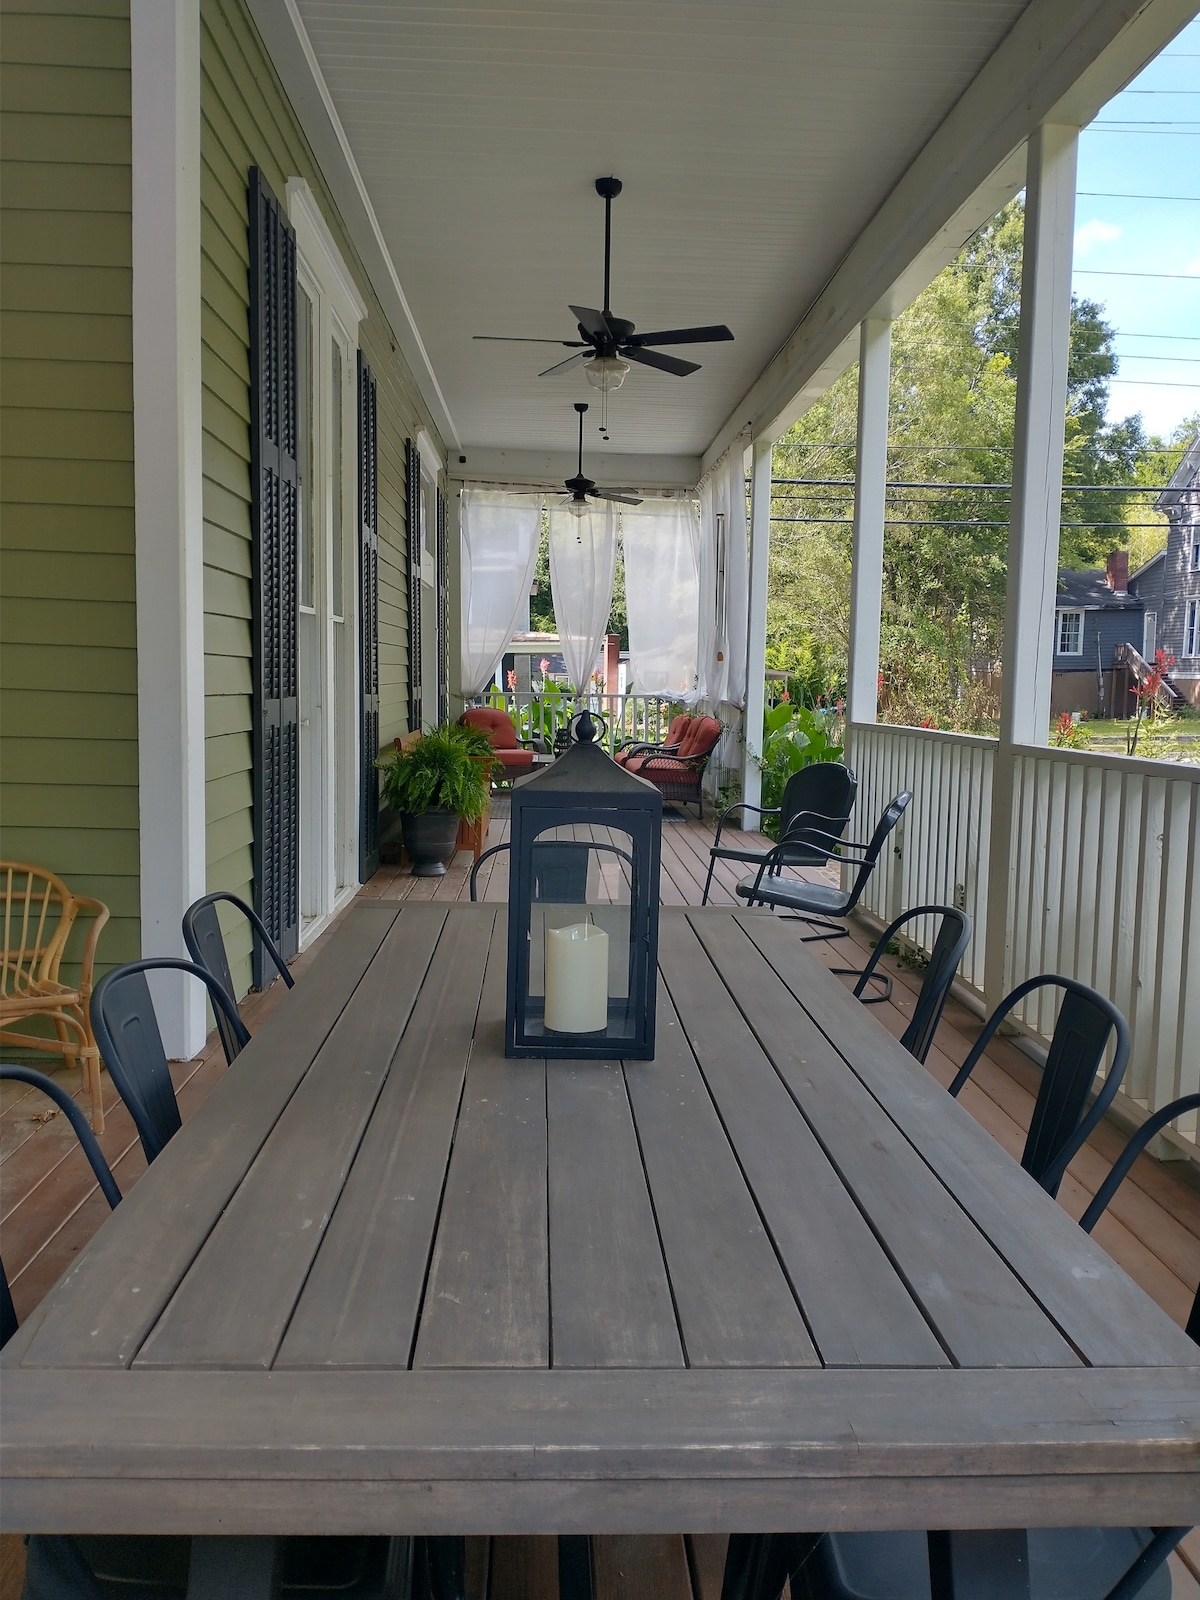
(387, 1281)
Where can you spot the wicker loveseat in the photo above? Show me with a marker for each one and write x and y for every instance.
(679, 776)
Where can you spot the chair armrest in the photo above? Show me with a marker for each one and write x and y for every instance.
(535, 744)
(649, 749)
(100, 914)
(742, 805)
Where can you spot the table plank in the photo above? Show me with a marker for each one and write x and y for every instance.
(981, 1311)
(857, 1306)
(487, 1303)
(734, 1304)
(1108, 1319)
(102, 1309)
(234, 1304)
(360, 1303)
(610, 1301)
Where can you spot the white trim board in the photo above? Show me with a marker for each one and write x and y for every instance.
(317, 246)
(168, 494)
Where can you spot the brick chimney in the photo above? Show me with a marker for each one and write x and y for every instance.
(1116, 571)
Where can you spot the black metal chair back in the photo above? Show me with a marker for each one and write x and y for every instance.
(127, 1033)
(894, 810)
(87, 1139)
(1152, 1125)
(953, 937)
(560, 868)
(1061, 1122)
(825, 788)
(206, 945)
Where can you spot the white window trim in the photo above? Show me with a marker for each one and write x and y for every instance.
(1059, 617)
(338, 308)
(316, 244)
(1191, 627)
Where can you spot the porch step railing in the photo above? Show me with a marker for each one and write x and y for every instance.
(643, 718)
(1103, 881)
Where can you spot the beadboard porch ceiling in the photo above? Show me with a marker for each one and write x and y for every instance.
(756, 139)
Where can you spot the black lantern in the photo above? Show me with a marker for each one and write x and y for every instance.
(583, 907)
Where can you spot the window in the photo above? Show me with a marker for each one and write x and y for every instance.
(1191, 629)
(1194, 561)
(1070, 633)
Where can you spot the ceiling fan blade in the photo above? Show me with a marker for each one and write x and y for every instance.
(682, 336)
(507, 338)
(565, 366)
(593, 323)
(611, 494)
(651, 358)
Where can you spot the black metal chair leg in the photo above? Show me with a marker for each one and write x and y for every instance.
(881, 978)
(835, 930)
(574, 1567)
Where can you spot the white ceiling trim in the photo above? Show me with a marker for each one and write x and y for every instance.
(286, 38)
(549, 469)
(1059, 62)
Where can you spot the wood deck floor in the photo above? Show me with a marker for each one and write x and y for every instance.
(50, 1207)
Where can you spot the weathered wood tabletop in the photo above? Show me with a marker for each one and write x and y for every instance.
(386, 1280)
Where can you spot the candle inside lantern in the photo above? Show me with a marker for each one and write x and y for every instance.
(576, 979)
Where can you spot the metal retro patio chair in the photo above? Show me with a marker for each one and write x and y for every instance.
(87, 1140)
(1139, 1141)
(127, 1028)
(825, 789)
(1061, 1121)
(953, 937)
(39, 913)
(206, 945)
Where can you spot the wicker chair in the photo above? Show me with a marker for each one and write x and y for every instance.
(39, 913)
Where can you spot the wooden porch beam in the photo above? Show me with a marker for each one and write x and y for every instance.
(484, 464)
(1059, 62)
(870, 490)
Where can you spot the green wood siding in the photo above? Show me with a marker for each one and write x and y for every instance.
(68, 665)
(246, 121)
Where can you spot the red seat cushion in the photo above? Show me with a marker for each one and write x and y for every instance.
(701, 736)
(497, 724)
(510, 760)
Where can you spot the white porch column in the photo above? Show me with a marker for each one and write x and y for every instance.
(756, 628)
(169, 531)
(1036, 506)
(870, 492)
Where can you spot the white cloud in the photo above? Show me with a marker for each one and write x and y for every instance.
(1093, 233)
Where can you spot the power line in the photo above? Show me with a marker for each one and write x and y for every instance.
(1154, 383)
(969, 522)
(1190, 338)
(1109, 194)
(1073, 488)
(1109, 272)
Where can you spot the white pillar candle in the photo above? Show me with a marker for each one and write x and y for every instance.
(576, 979)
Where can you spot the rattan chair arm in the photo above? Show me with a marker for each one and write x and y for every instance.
(100, 915)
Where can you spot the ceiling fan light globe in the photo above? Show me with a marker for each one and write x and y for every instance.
(577, 508)
(606, 373)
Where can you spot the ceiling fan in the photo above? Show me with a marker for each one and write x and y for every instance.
(581, 488)
(608, 344)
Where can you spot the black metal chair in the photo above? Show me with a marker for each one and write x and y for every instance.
(206, 945)
(953, 937)
(816, 903)
(560, 868)
(825, 789)
(1139, 1141)
(1061, 1124)
(1084, 1563)
(131, 1046)
(87, 1139)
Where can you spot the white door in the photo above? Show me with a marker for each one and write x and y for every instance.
(1149, 635)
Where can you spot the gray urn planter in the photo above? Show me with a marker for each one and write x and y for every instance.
(429, 839)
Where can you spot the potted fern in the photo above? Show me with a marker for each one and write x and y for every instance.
(444, 775)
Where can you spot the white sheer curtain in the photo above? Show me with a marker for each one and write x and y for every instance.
(662, 591)
(583, 552)
(724, 583)
(500, 535)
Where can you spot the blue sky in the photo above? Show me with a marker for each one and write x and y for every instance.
(1146, 142)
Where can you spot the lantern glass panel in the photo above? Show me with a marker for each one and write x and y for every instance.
(581, 967)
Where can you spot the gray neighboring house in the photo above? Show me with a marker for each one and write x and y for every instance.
(1156, 607)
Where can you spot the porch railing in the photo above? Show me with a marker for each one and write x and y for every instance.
(1102, 882)
(643, 718)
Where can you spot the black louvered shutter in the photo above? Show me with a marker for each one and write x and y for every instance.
(368, 601)
(412, 471)
(443, 637)
(274, 480)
